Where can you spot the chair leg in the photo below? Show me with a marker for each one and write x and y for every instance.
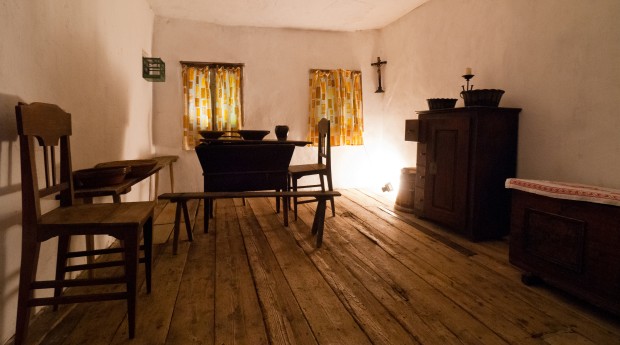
(131, 273)
(289, 186)
(27, 273)
(147, 232)
(295, 198)
(277, 202)
(331, 189)
(61, 264)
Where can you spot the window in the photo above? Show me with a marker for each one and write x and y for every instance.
(208, 87)
(337, 96)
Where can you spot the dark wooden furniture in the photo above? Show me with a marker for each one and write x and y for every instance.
(464, 157)
(50, 127)
(569, 244)
(182, 198)
(236, 141)
(245, 167)
(115, 191)
(322, 168)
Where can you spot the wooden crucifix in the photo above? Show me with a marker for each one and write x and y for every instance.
(378, 64)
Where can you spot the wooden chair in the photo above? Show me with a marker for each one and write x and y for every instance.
(127, 222)
(322, 168)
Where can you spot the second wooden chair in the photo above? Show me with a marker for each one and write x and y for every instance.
(322, 168)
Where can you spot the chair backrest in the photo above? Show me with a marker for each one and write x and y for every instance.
(51, 127)
(244, 167)
(324, 143)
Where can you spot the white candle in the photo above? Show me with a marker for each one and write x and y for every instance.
(468, 71)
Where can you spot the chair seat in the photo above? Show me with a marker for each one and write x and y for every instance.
(306, 169)
(98, 218)
(112, 214)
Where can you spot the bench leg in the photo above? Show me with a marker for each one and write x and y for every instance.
(177, 224)
(181, 205)
(188, 224)
(319, 221)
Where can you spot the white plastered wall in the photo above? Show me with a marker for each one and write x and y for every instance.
(276, 72)
(85, 56)
(558, 60)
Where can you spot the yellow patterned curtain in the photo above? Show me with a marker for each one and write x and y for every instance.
(337, 96)
(197, 104)
(228, 100)
(205, 87)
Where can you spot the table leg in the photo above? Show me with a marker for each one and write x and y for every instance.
(171, 178)
(284, 209)
(156, 187)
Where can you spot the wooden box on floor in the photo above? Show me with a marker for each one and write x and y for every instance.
(569, 244)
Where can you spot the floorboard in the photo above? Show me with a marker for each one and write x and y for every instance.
(381, 277)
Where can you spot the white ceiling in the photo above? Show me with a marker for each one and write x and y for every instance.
(336, 15)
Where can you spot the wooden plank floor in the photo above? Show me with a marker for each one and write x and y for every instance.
(381, 277)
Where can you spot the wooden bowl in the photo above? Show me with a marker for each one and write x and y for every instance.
(250, 134)
(100, 177)
(139, 167)
(441, 103)
(211, 134)
(482, 97)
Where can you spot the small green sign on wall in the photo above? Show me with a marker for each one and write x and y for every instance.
(153, 69)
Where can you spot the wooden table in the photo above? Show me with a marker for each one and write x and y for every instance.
(257, 165)
(115, 191)
(255, 142)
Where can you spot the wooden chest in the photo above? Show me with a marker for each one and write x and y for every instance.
(571, 244)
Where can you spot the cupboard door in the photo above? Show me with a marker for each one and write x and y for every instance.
(447, 151)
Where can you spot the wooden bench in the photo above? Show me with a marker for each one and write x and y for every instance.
(181, 200)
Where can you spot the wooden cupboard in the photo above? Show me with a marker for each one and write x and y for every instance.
(464, 157)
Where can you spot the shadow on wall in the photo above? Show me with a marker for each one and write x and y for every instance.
(9, 186)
